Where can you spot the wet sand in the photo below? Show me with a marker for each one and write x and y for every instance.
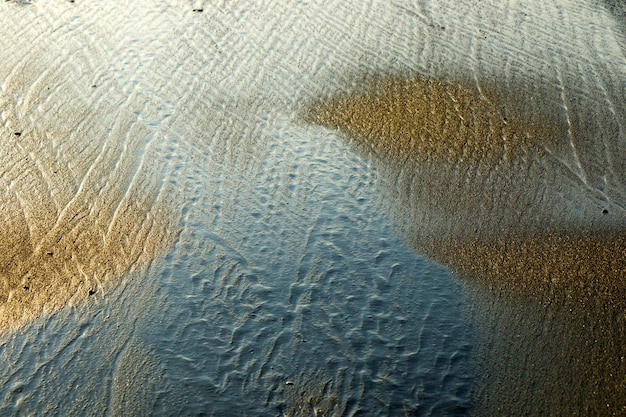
(498, 207)
(248, 260)
(481, 192)
(80, 205)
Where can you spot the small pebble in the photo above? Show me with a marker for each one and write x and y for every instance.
(289, 383)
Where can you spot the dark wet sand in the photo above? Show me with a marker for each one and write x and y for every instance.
(480, 188)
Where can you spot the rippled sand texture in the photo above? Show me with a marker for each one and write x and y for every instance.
(477, 199)
(80, 189)
(489, 197)
(286, 290)
(485, 191)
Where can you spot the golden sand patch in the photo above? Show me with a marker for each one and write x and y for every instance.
(588, 266)
(425, 119)
(74, 220)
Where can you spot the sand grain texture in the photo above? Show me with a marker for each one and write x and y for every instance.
(477, 188)
(481, 175)
(80, 206)
(136, 117)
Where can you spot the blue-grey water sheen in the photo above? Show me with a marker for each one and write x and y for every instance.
(300, 298)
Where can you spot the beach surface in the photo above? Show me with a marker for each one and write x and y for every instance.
(312, 208)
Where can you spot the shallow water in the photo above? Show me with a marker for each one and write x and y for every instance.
(179, 240)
